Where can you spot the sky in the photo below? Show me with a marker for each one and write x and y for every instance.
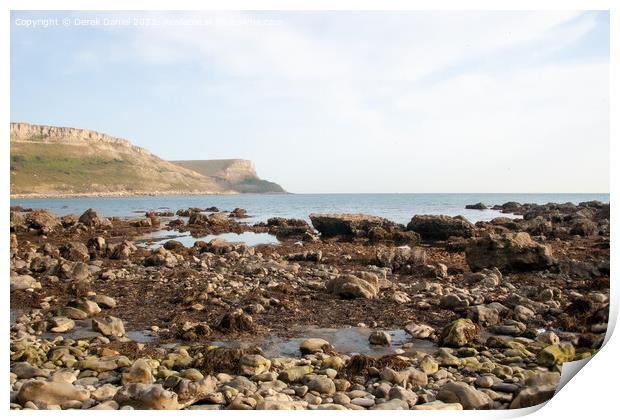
(327, 102)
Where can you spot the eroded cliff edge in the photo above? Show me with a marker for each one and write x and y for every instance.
(62, 161)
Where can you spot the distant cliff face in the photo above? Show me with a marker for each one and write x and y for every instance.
(236, 174)
(50, 161)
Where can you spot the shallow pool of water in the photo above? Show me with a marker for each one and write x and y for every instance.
(160, 237)
(352, 340)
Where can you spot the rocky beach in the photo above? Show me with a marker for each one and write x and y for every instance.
(347, 312)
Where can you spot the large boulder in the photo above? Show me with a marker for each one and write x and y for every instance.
(50, 393)
(538, 389)
(43, 221)
(92, 219)
(400, 257)
(440, 227)
(509, 252)
(459, 333)
(349, 286)
(288, 228)
(348, 225)
(147, 397)
(23, 282)
(468, 396)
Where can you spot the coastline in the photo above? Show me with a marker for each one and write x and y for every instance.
(132, 194)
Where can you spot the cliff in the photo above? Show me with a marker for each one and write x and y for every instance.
(62, 161)
(235, 174)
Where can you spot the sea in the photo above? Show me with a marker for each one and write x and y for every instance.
(399, 208)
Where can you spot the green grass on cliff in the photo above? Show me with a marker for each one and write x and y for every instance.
(43, 168)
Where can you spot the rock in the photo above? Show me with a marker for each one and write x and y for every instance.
(146, 397)
(161, 257)
(92, 219)
(88, 306)
(380, 338)
(509, 251)
(420, 331)
(71, 312)
(315, 345)
(459, 333)
(403, 394)
(393, 404)
(43, 221)
(24, 370)
(24, 282)
(104, 393)
(469, 397)
(440, 227)
(121, 251)
(477, 206)
(556, 354)
(348, 225)
(236, 320)
(61, 324)
(104, 301)
(104, 364)
(140, 372)
(538, 389)
(400, 257)
(438, 405)
(322, 385)
(484, 315)
(349, 286)
(50, 393)
(281, 405)
(294, 374)
(452, 301)
(253, 364)
(109, 326)
(75, 251)
(239, 213)
(485, 277)
(583, 227)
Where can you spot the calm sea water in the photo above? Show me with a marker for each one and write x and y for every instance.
(397, 207)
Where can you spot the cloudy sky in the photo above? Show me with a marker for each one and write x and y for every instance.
(337, 101)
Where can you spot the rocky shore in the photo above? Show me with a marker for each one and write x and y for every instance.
(100, 319)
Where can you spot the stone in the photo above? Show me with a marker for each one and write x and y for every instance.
(109, 326)
(380, 338)
(61, 324)
(403, 394)
(92, 219)
(147, 397)
(75, 251)
(583, 227)
(50, 393)
(438, 405)
(440, 227)
(400, 257)
(485, 315)
(281, 405)
(104, 364)
(420, 331)
(556, 354)
(348, 225)
(314, 345)
(23, 282)
(24, 370)
(511, 252)
(140, 372)
(469, 397)
(88, 306)
(477, 206)
(459, 333)
(393, 404)
(104, 393)
(294, 374)
(236, 320)
(43, 221)
(349, 286)
(104, 301)
(322, 385)
(253, 364)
